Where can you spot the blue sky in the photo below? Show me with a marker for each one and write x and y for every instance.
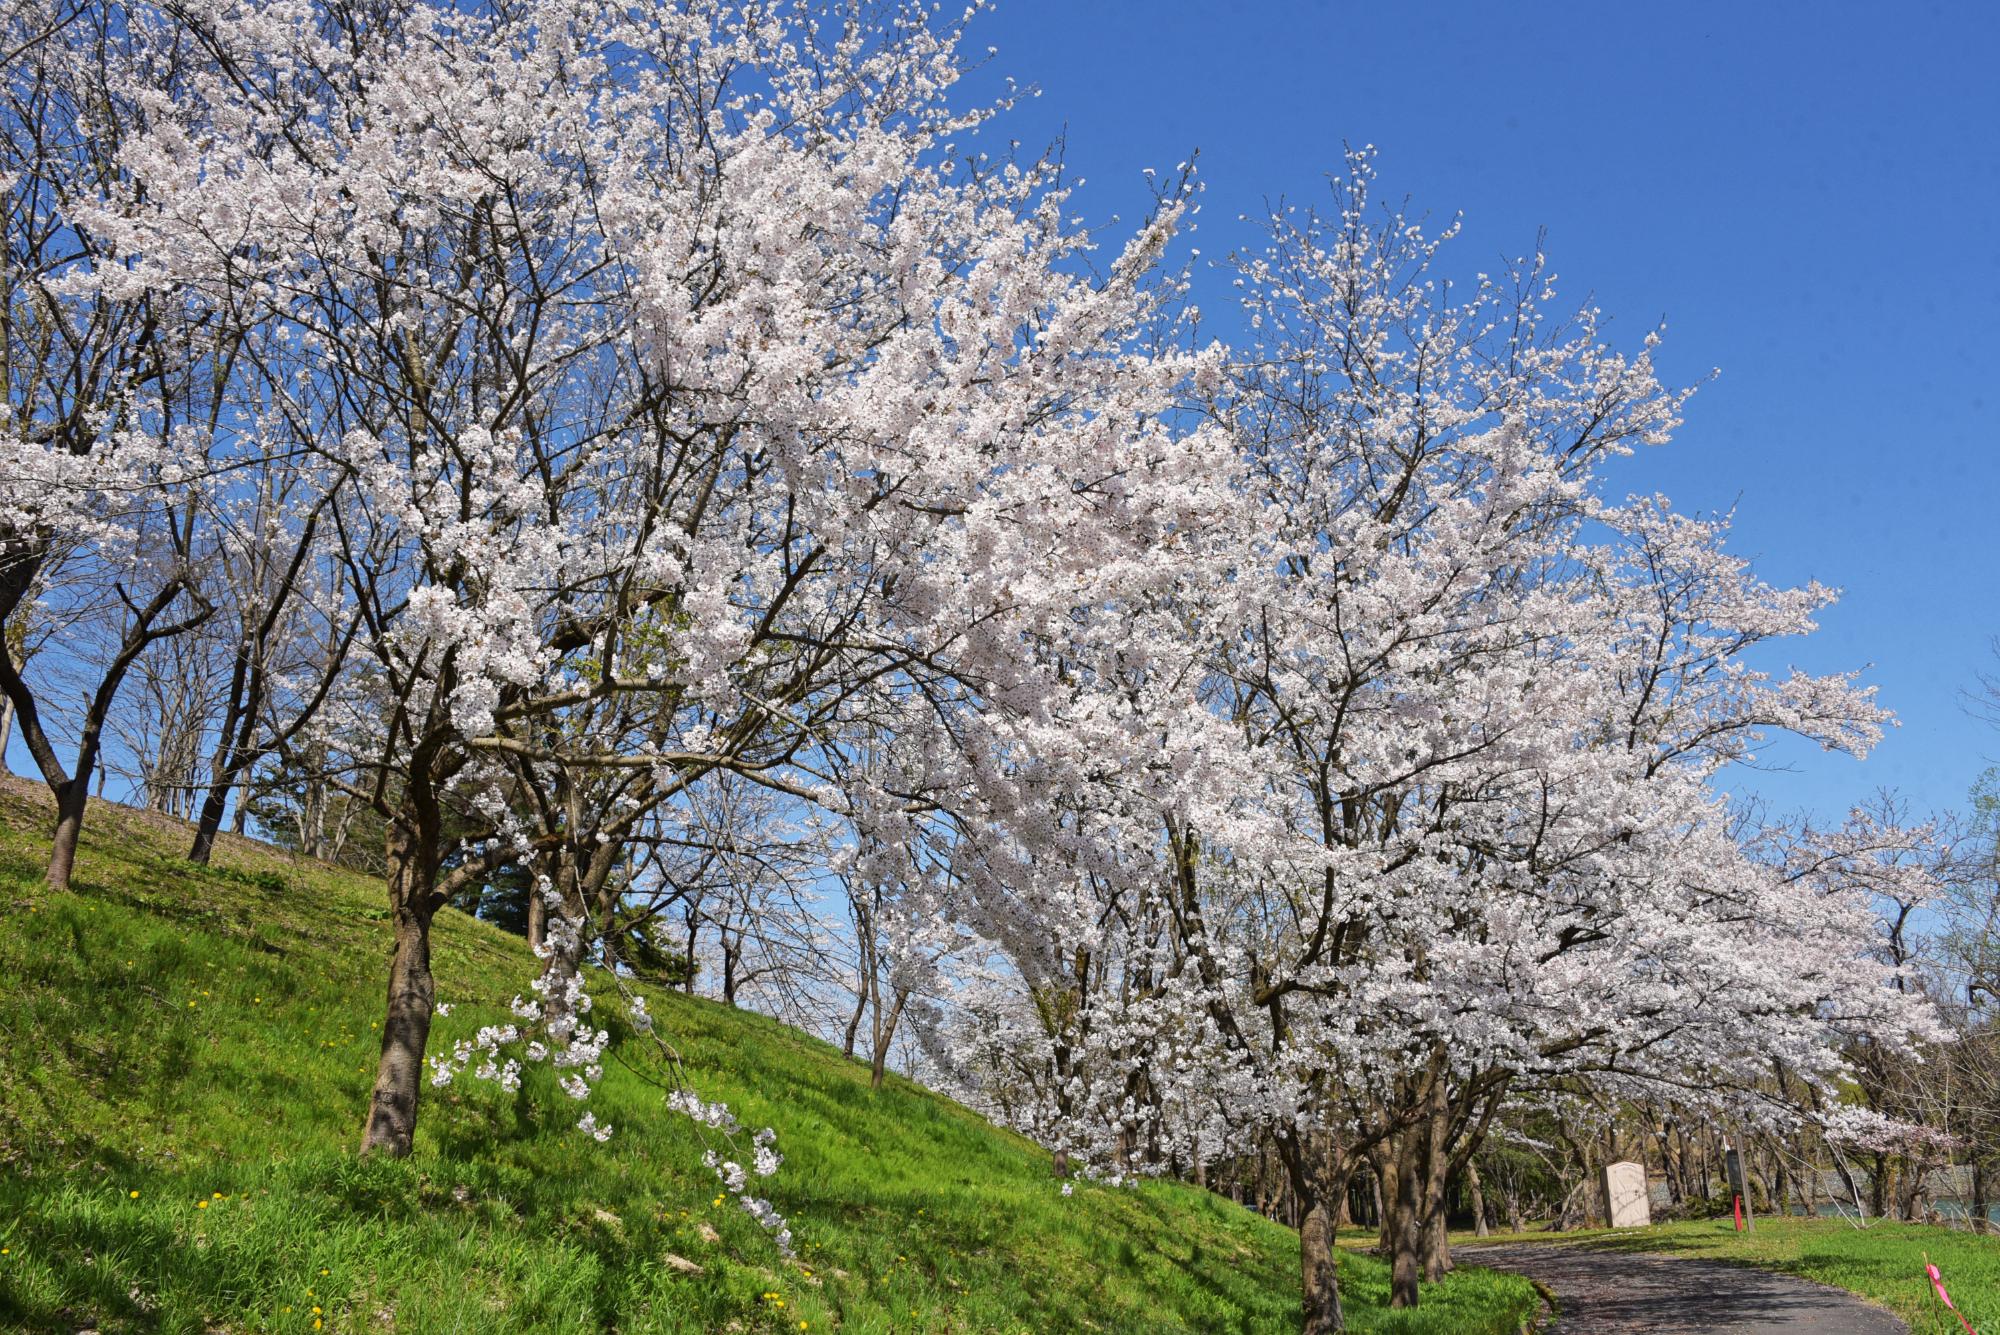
(1807, 194)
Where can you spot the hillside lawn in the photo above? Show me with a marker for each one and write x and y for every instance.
(1884, 1262)
(185, 1058)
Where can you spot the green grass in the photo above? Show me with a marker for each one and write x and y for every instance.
(1884, 1262)
(208, 1036)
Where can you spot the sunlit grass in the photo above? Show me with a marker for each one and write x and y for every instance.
(184, 1060)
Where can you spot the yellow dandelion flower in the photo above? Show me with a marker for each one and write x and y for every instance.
(217, 1195)
(315, 1311)
(133, 1194)
(201, 1205)
(324, 1271)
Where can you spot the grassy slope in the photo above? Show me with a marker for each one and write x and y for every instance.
(1883, 1263)
(170, 1036)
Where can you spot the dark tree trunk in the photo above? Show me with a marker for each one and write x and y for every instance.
(406, 1025)
(1435, 1179)
(238, 725)
(885, 1033)
(853, 1025)
(1316, 1173)
(1401, 1238)
(1319, 1279)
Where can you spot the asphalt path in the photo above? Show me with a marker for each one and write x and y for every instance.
(1627, 1293)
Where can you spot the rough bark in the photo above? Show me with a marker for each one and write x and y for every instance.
(1316, 1173)
(1319, 1282)
(1478, 1199)
(406, 1024)
(1435, 1135)
(1401, 1238)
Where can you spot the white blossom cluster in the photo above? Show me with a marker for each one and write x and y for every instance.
(735, 1180)
(551, 1030)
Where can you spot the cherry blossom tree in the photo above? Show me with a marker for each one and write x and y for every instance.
(110, 417)
(692, 353)
(1427, 775)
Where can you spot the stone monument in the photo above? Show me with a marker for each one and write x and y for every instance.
(1625, 1195)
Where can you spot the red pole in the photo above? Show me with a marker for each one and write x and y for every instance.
(1739, 1214)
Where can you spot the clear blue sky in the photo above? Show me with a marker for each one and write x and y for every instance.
(1807, 193)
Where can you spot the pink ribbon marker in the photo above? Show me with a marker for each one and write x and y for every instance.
(1937, 1282)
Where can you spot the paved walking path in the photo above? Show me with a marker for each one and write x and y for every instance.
(1626, 1293)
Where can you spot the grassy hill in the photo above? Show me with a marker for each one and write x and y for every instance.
(185, 1056)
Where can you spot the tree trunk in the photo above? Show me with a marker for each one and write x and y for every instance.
(1316, 1174)
(884, 1034)
(1982, 1210)
(70, 802)
(1436, 1245)
(1478, 1199)
(1401, 1238)
(1435, 1177)
(853, 1025)
(6, 732)
(1319, 1288)
(538, 919)
(406, 1024)
(229, 753)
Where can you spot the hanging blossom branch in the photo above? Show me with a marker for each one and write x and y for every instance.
(553, 1030)
(715, 1116)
